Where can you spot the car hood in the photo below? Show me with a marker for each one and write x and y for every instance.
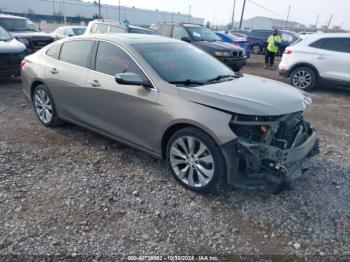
(217, 45)
(12, 46)
(249, 95)
(30, 34)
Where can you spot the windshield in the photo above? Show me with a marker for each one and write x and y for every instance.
(177, 62)
(4, 36)
(15, 25)
(78, 31)
(200, 33)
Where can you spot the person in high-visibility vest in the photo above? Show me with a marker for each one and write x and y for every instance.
(273, 43)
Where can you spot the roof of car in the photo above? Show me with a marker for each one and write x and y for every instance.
(72, 26)
(129, 38)
(11, 16)
(316, 36)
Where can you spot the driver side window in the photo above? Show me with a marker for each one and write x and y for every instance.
(112, 60)
(179, 33)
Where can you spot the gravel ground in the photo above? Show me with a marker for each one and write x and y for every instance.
(69, 192)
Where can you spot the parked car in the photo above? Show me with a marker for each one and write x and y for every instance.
(258, 40)
(205, 39)
(176, 102)
(100, 26)
(11, 54)
(240, 33)
(237, 41)
(68, 31)
(25, 31)
(316, 59)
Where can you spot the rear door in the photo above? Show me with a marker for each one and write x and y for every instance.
(67, 77)
(332, 58)
(122, 111)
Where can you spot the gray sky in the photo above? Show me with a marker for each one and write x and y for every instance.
(220, 11)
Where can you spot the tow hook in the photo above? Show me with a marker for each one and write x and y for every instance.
(282, 173)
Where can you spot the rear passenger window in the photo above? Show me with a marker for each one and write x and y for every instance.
(77, 52)
(101, 29)
(112, 60)
(116, 29)
(54, 51)
(165, 30)
(180, 32)
(333, 44)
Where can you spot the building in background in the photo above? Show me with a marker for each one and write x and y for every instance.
(77, 11)
(260, 22)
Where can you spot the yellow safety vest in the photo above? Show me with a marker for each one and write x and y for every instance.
(271, 43)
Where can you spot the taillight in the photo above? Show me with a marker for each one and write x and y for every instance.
(288, 52)
(23, 63)
(235, 43)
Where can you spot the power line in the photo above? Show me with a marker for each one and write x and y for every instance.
(265, 8)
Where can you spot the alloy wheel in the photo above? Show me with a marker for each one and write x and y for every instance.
(192, 161)
(256, 49)
(302, 79)
(43, 106)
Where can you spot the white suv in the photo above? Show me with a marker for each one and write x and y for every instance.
(317, 58)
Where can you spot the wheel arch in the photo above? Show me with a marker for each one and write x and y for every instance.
(34, 84)
(305, 64)
(173, 128)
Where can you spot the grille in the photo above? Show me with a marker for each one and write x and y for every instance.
(237, 53)
(8, 61)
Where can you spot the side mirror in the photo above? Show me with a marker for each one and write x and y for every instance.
(186, 39)
(131, 79)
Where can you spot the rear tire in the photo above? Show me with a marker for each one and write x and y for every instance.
(195, 160)
(44, 106)
(256, 49)
(303, 78)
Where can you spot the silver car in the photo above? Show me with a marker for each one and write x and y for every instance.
(176, 102)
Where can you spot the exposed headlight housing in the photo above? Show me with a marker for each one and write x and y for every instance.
(222, 54)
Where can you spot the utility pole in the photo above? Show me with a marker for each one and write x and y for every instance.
(288, 17)
(329, 23)
(318, 17)
(233, 13)
(119, 10)
(189, 14)
(99, 8)
(240, 23)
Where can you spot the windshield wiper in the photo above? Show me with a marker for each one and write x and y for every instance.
(217, 78)
(187, 82)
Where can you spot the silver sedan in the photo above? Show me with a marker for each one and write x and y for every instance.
(176, 102)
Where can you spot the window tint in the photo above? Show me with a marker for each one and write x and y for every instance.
(54, 51)
(165, 30)
(180, 32)
(333, 44)
(112, 60)
(93, 28)
(77, 52)
(116, 29)
(287, 37)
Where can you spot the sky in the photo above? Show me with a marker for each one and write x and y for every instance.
(220, 11)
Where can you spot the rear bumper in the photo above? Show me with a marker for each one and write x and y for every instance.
(284, 73)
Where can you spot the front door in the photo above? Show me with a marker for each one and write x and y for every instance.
(123, 111)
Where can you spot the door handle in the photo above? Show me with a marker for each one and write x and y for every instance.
(94, 83)
(321, 57)
(54, 71)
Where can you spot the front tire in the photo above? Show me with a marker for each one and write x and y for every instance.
(256, 49)
(303, 78)
(44, 106)
(195, 160)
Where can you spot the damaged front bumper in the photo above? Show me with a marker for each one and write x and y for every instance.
(261, 163)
